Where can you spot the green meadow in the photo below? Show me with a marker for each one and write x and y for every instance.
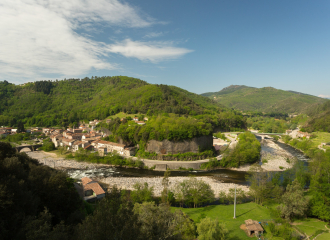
(225, 213)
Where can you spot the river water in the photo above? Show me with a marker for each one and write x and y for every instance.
(223, 175)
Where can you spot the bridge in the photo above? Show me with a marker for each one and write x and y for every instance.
(263, 135)
(31, 147)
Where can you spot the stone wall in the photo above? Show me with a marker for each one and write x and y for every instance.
(173, 147)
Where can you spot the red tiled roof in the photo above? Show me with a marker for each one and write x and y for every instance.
(86, 180)
(95, 187)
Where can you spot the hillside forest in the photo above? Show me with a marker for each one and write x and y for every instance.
(59, 103)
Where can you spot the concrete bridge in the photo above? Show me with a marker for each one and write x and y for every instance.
(263, 135)
(31, 147)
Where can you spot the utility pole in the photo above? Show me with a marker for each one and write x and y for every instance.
(235, 204)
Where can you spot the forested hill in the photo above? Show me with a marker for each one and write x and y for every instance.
(58, 103)
(265, 99)
(319, 118)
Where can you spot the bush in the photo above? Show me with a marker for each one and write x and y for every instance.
(211, 164)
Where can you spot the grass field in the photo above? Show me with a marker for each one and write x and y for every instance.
(225, 213)
(324, 236)
(309, 226)
(122, 115)
(252, 211)
(322, 137)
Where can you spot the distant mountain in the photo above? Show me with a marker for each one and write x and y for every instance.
(267, 99)
(51, 103)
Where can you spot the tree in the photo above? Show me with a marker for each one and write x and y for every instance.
(211, 229)
(165, 184)
(48, 145)
(294, 204)
(260, 184)
(193, 192)
(20, 127)
(112, 219)
(158, 222)
(320, 185)
(142, 193)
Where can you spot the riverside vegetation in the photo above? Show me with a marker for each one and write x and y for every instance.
(246, 151)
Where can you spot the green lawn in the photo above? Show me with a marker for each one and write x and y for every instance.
(322, 137)
(324, 236)
(255, 212)
(225, 213)
(310, 225)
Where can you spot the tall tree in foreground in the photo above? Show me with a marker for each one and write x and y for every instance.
(211, 229)
(320, 185)
(294, 204)
(112, 219)
(158, 222)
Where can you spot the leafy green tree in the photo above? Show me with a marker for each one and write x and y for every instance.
(165, 184)
(41, 228)
(20, 127)
(48, 145)
(211, 229)
(246, 151)
(261, 185)
(112, 219)
(158, 222)
(193, 192)
(142, 193)
(320, 185)
(26, 189)
(294, 204)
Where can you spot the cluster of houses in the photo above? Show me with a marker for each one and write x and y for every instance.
(5, 131)
(297, 134)
(85, 138)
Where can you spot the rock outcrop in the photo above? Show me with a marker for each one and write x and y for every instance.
(194, 145)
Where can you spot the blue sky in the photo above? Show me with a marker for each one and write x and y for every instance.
(200, 46)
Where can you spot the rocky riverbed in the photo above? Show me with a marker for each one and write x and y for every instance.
(52, 160)
(156, 183)
(273, 158)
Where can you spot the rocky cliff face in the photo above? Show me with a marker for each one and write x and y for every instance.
(172, 147)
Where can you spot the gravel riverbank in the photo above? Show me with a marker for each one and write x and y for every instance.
(156, 182)
(51, 160)
(272, 158)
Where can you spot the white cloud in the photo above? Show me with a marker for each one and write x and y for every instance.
(154, 34)
(148, 51)
(324, 96)
(39, 38)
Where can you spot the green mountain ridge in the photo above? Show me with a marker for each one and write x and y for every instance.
(57, 103)
(266, 99)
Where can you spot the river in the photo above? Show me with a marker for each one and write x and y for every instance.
(223, 175)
